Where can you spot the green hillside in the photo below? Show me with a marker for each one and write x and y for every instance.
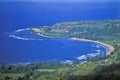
(95, 30)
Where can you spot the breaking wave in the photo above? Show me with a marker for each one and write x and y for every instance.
(17, 37)
(19, 30)
(68, 62)
(84, 57)
(24, 34)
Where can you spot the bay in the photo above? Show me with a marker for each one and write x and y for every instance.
(21, 15)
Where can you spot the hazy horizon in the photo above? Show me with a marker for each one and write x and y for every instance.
(60, 1)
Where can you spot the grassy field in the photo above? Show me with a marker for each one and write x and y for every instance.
(11, 75)
(46, 70)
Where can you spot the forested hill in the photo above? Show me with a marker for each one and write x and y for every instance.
(91, 29)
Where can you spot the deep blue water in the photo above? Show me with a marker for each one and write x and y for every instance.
(31, 48)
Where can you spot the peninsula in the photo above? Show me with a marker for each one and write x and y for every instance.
(91, 30)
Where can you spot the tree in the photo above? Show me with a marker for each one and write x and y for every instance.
(7, 78)
(19, 78)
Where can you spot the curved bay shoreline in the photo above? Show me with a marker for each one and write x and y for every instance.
(110, 48)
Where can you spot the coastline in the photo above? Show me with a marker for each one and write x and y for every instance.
(110, 48)
(38, 32)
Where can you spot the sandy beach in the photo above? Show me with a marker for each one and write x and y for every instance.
(110, 48)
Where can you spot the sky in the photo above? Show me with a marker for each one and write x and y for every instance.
(65, 0)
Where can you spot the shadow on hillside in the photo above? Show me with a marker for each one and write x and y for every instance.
(111, 72)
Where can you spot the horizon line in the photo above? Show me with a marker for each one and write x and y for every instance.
(64, 1)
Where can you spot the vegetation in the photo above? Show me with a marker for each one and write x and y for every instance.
(105, 30)
(30, 71)
(97, 68)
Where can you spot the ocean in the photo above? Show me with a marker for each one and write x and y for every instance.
(17, 45)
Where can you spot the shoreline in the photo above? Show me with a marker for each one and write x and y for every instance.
(38, 32)
(110, 48)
